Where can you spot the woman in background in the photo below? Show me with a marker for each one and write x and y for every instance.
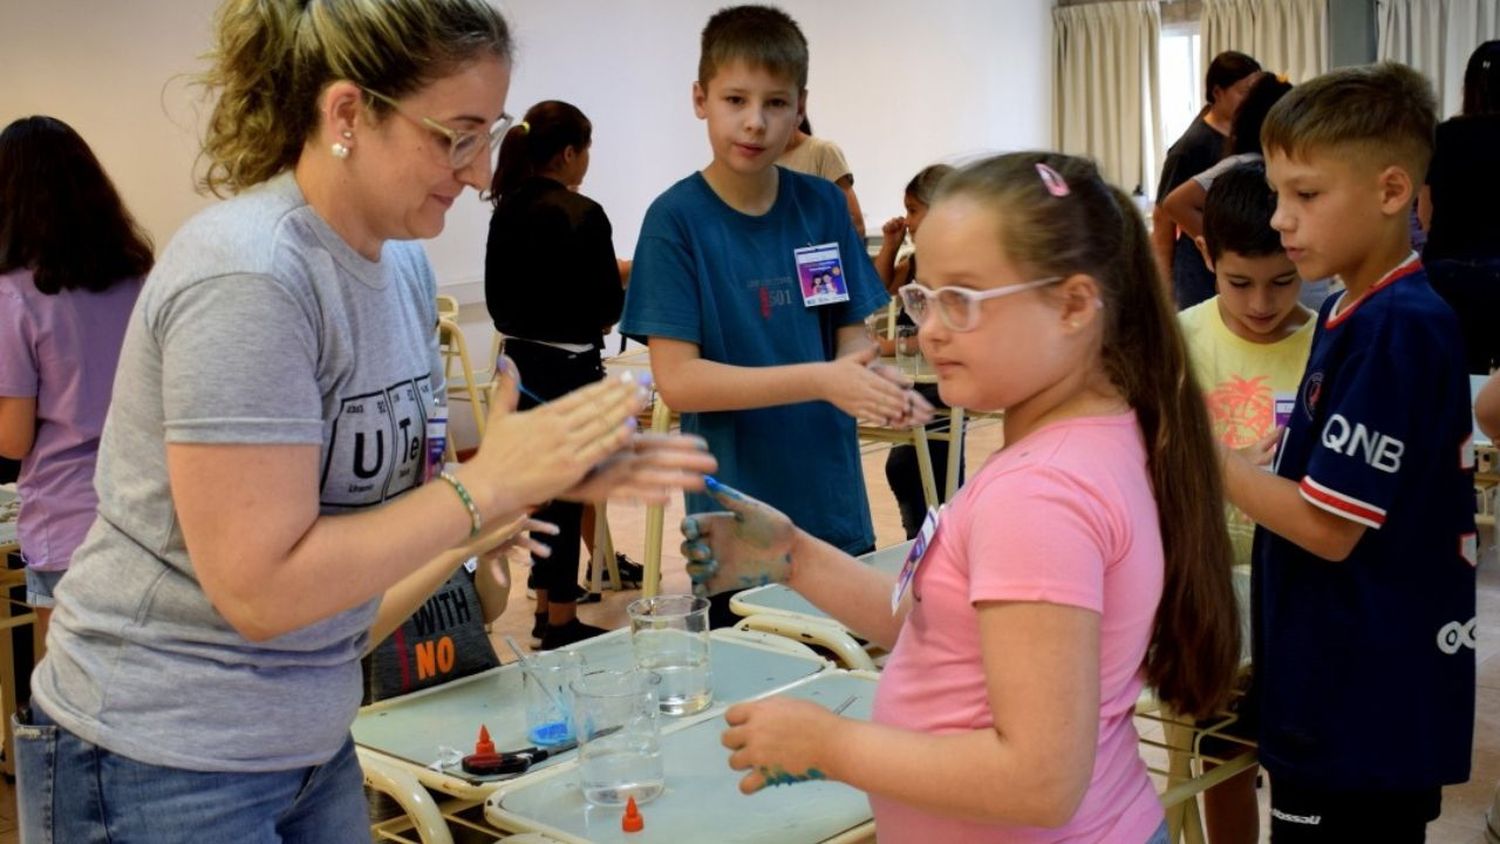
(71, 264)
(1457, 206)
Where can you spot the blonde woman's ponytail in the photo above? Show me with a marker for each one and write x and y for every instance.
(271, 60)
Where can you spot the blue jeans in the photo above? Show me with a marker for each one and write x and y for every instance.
(1160, 835)
(69, 790)
(40, 585)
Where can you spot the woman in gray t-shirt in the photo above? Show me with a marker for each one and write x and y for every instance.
(264, 473)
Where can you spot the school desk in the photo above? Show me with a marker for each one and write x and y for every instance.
(780, 610)
(12, 587)
(8, 513)
(1487, 460)
(702, 801)
(401, 737)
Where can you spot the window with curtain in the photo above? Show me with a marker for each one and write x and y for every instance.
(1437, 37)
(1289, 37)
(1181, 78)
(1106, 88)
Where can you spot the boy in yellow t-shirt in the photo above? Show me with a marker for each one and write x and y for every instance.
(1248, 346)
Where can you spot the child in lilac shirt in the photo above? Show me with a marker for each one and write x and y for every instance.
(71, 264)
(1056, 585)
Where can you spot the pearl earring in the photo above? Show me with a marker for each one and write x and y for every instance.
(341, 151)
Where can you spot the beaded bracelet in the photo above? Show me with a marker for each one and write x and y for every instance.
(475, 522)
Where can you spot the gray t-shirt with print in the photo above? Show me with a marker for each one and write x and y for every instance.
(258, 325)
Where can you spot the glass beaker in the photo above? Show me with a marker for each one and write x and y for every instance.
(619, 750)
(548, 690)
(670, 636)
(908, 350)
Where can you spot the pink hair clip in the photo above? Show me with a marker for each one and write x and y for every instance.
(1056, 184)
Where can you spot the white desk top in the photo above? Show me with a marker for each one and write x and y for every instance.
(702, 801)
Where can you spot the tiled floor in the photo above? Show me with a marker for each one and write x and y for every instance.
(1462, 821)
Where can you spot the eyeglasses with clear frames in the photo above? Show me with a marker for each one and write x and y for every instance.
(463, 146)
(958, 306)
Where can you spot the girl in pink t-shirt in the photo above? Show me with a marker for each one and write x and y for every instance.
(1057, 583)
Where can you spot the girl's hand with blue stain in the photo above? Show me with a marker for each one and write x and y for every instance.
(750, 544)
(780, 741)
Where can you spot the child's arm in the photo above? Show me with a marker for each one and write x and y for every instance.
(17, 426)
(1184, 205)
(403, 599)
(1276, 503)
(492, 582)
(690, 384)
(856, 216)
(1487, 406)
(1033, 767)
(1163, 242)
(892, 235)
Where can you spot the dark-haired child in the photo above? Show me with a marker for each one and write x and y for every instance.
(553, 288)
(1248, 346)
(773, 378)
(1364, 567)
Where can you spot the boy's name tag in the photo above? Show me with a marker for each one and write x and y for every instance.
(820, 274)
(914, 557)
(1285, 403)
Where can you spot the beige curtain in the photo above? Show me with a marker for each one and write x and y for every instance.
(1437, 37)
(1289, 37)
(1105, 90)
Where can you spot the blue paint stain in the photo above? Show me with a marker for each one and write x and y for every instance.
(777, 776)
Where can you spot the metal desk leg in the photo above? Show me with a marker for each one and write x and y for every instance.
(661, 419)
(603, 558)
(1183, 822)
(924, 464)
(955, 450)
(414, 800)
(10, 581)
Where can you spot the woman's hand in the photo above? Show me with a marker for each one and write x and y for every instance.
(750, 544)
(779, 740)
(650, 469)
(529, 457)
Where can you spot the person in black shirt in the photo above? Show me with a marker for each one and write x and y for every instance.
(1457, 207)
(553, 288)
(1229, 78)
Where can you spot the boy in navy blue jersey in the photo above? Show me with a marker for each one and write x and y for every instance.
(1364, 561)
(768, 364)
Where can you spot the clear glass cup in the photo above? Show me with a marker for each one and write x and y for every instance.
(670, 636)
(619, 751)
(908, 350)
(548, 690)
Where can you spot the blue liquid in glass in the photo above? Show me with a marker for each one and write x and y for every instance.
(550, 733)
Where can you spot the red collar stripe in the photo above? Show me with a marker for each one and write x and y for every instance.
(1412, 264)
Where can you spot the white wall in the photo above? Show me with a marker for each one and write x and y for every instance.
(116, 72)
(897, 84)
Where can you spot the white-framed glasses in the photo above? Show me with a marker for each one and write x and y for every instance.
(463, 146)
(957, 306)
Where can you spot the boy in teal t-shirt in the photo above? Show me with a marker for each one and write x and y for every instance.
(743, 342)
